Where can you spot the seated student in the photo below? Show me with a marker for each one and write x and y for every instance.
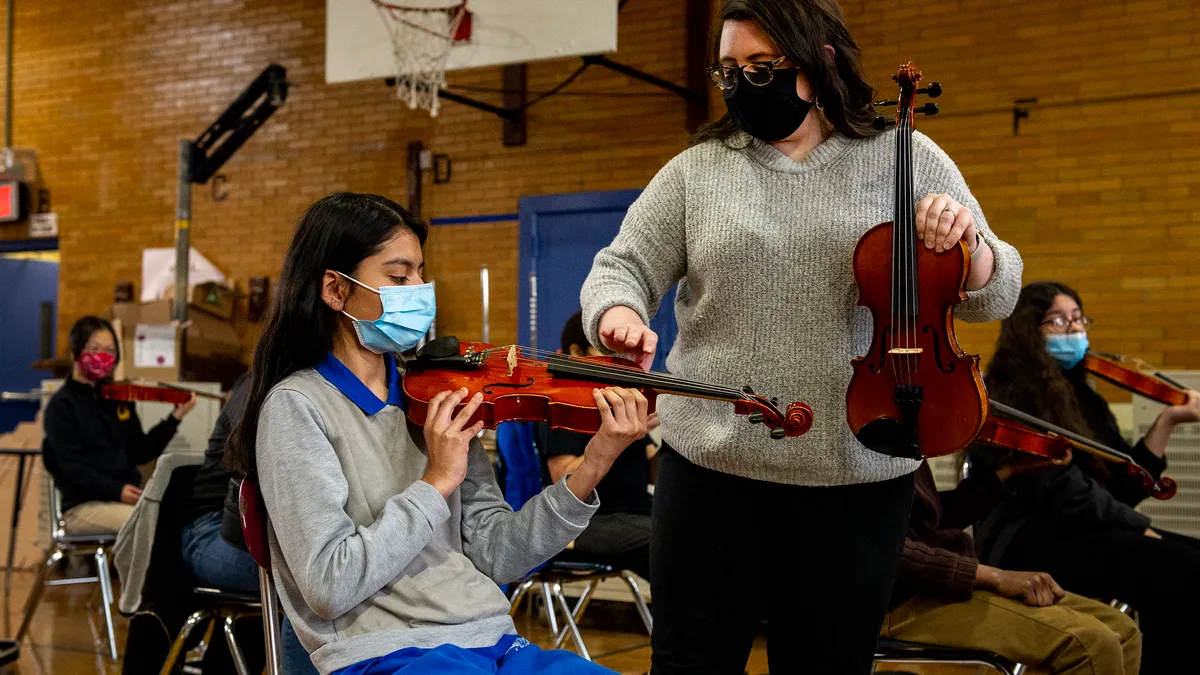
(387, 540)
(619, 533)
(207, 556)
(944, 596)
(93, 445)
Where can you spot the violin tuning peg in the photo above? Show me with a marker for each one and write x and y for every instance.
(881, 123)
(882, 104)
(778, 434)
(756, 418)
(934, 90)
(929, 109)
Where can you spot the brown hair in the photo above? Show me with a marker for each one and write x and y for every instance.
(801, 29)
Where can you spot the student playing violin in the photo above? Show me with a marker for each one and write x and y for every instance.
(388, 541)
(1078, 522)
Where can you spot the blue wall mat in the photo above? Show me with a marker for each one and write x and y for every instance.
(27, 284)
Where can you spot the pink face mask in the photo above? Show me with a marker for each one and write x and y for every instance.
(95, 365)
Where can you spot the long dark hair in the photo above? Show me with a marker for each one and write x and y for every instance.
(336, 233)
(801, 29)
(83, 330)
(1022, 373)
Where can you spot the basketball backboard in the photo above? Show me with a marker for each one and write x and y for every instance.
(358, 46)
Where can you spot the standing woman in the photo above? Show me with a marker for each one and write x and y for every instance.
(1078, 522)
(757, 221)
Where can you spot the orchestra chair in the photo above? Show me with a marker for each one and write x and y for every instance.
(64, 545)
(889, 651)
(254, 530)
(524, 465)
(228, 607)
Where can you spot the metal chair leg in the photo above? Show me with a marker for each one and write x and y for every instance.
(567, 619)
(272, 623)
(577, 613)
(1019, 669)
(177, 647)
(39, 587)
(239, 661)
(548, 601)
(518, 594)
(106, 594)
(640, 601)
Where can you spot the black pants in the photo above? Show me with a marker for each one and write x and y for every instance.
(816, 562)
(1160, 578)
(618, 539)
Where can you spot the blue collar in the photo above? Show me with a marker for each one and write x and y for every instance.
(352, 388)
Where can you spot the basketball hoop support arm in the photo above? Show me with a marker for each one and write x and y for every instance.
(200, 159)
(687, 94)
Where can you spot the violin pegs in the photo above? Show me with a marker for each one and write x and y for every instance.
(934, 90)
(885, 103)
(756, 418)
(882, 123)
(778, 433)
(929, 109)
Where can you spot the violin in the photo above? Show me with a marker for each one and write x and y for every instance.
(1127, 373)
(915, 393)
(521, 384)
(160, 392)
(1164, 488)
(1003, 433)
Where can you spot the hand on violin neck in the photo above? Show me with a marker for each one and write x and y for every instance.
(181, 410)
(1186, 413)
(1159, 435)
(623, 420)
(1021, 463)
(448, 439)
(622, 331)
(941, 221)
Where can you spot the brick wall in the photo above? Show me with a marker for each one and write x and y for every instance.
(1098, 190)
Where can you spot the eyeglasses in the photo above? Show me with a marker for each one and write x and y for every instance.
(97, 348)
(1061, 324)
(757, 74)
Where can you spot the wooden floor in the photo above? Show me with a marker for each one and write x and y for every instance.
(67, 635)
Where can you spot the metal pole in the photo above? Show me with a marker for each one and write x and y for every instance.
(8, 68)
(533, 311)
(483, 282)
(183, 221)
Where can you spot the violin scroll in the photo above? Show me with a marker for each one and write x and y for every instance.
(909, 76)
(794, 421)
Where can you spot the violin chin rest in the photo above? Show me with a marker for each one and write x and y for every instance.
(439, 348)
(889, 437)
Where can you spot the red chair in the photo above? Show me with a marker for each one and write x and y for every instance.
(254, 530)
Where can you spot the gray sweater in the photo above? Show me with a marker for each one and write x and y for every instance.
(369, 559)
(761, 246)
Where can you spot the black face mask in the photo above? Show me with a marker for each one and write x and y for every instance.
(771, 112)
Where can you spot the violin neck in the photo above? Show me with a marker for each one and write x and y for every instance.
(1082, 442)
(629, 377)
(904, 229)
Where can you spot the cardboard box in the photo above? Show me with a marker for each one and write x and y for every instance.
(206, 335)
(210, 298)
(128, 369)
(208, 346)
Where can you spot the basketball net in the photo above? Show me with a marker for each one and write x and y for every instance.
(422, 33)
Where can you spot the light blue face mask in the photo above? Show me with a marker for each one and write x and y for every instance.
(1067, 348)
(408, 312)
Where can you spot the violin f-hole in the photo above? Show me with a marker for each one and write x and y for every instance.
(487, 388)
(937, 352)
(883, 342)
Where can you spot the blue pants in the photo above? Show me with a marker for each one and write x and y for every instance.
(512, 655)
(214, 562)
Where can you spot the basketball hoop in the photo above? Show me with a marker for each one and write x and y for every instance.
(422, 33)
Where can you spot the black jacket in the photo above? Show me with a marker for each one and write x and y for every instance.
(214, 484)
(93, 445)
(1084, 495)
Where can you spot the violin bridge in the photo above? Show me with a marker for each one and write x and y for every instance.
(905, 350)
(512, 359)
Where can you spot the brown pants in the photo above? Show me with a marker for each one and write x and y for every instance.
(97, 517)
(1075, 636)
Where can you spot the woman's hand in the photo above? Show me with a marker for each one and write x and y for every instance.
(1159, 435)
(447, 442)
(623, 332)
(1152, 534)
(942, 221)
(623, 417)
(1036, 589)
(182, 409)
(130, 494)
(1186, 412)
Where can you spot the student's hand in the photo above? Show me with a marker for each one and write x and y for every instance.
(1185, 413)
(448, 439)
(1152, 534)
(1036, 589)
(1021, 462)
(623, 332)
(130, 494)
(182, 409)
(623, 414)
(653, 422)
(942, 221)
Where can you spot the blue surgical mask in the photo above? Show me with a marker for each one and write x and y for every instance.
(408, 312)
(1067, 348)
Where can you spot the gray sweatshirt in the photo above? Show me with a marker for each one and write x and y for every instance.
(369, 559)
(761, 246)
